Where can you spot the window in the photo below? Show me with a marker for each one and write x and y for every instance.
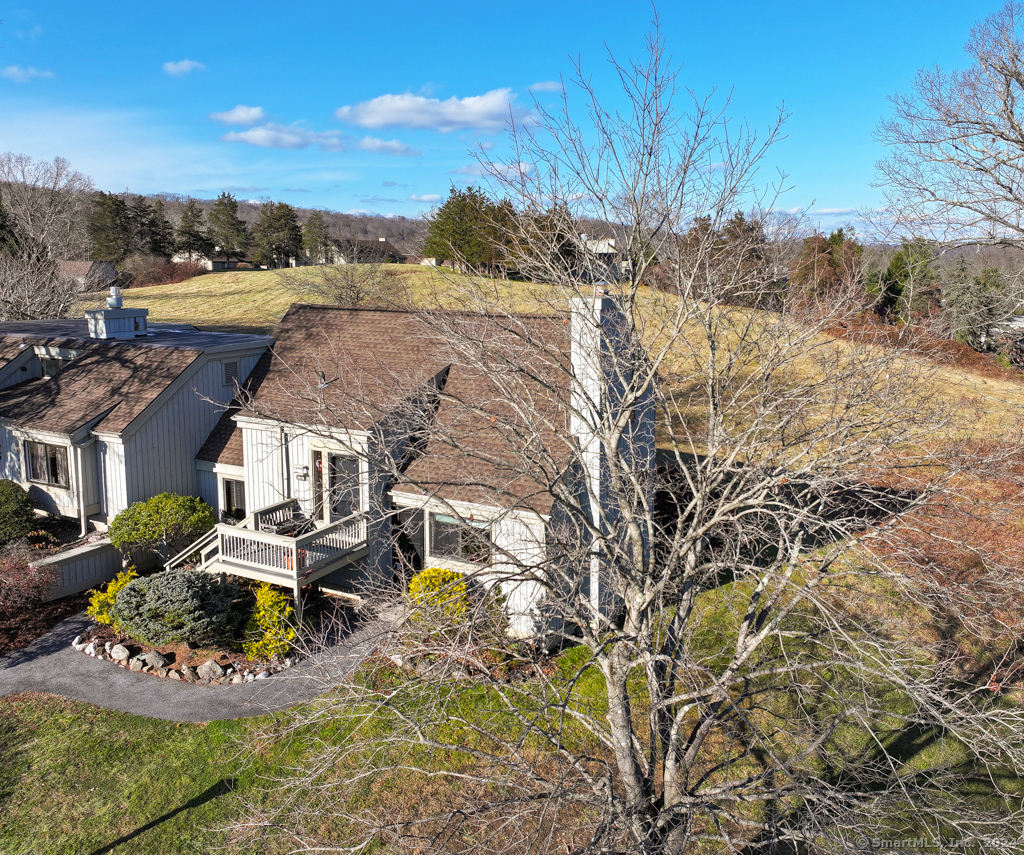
(47, 464)
(233, 507)
(230, 372)
(460, 540)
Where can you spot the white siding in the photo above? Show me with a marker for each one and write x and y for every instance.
(113, 490)
(520, 550)
(206, 481)
(10, 456)
(261, 450)
(160, 457)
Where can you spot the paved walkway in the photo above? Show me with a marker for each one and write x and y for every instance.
(51, 665)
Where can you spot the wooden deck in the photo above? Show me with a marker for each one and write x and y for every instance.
(255, 550)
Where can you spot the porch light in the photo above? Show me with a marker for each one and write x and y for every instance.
(302, 474)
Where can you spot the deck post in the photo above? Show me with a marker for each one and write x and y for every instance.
(298, 601)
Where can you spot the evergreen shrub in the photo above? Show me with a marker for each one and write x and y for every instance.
(270, 630)
(101, 603)
(178, 605)
(440, 591)
(17, 518)
(166, 524)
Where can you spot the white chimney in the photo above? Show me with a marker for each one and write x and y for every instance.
(114, 321)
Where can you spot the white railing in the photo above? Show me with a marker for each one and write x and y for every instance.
(268, 518)
(198, 546)
(291, 558)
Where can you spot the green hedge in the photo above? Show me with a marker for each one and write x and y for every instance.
(17, 518)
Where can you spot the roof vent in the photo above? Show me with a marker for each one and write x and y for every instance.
(115, 322)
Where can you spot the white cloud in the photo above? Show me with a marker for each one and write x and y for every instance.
(507, 169)
(488, 112)
(834, 211)
(294, 190)
(399, 149)
(248, 189)
(472, 169)
(182, 67)
(429, 197)
(487, 145)
(272, 135)
(240, 115)
(24, 75)
(546, 86)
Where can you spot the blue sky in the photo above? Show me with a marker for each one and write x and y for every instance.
(375, 107)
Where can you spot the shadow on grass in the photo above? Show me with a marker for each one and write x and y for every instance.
(224, 785)
(10, 754)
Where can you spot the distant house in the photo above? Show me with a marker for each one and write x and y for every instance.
(351, 454)
(210, 263)
(380, 251)
(93, 275)
(103, 411)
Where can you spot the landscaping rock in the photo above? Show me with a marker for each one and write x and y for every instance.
(237, 678)
(160, 672)
(90, 649)
(157, 659)
(262, 675)
(119, 653)
(136, 663)
(174, 675)
(188, 674)
(77, 643)
(210, 669)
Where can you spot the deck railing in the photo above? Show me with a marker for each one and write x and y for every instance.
(290, 558)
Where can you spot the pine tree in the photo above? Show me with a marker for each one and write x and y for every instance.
(140, 226)
(974, 305)
(277, 236)
(316, 241)
(463, 229)
(192, 237)
(109, 226)
(161, 234)
(229, 234)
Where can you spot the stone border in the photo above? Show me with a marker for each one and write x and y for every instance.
(154, 662)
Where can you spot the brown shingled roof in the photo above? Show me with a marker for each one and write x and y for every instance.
(349, 368)
(107, 377)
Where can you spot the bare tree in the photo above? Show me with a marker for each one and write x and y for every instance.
(954, 173)
(361, 278)
(773, 619)
(43, 204)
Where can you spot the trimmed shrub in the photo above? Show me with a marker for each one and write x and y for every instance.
(269, 632)
(17, 518)
(164, 524)
(22, 585)
(440, 591)
(101, 603)
(178, 605)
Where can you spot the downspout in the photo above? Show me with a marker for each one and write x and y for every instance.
(286, 491)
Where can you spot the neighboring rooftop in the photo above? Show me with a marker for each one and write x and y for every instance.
(177, 336)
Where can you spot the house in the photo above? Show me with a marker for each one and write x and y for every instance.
(102, 411)
(380, 251)
(93, 275)
(210, 264)
(367, 442)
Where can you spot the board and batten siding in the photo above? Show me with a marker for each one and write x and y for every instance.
(206, 480)
(110, 457)
(261, 450)
(160, 456)
(84, 567)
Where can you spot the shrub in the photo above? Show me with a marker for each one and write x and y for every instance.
(164, 524)
(439, 590)
(101, 603)
(178, 605)
(269, 632)
(21, 584)
(16, 515)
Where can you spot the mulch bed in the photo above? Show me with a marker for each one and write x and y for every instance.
(21, 629)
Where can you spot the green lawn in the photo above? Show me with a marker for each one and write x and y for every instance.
(78, 780)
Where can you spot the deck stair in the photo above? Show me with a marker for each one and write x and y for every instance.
(277, 544)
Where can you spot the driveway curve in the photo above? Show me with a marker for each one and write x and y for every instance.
(52, 666)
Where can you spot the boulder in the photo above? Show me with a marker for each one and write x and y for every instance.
(119, 653)
(210, 670)
(157, 659)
